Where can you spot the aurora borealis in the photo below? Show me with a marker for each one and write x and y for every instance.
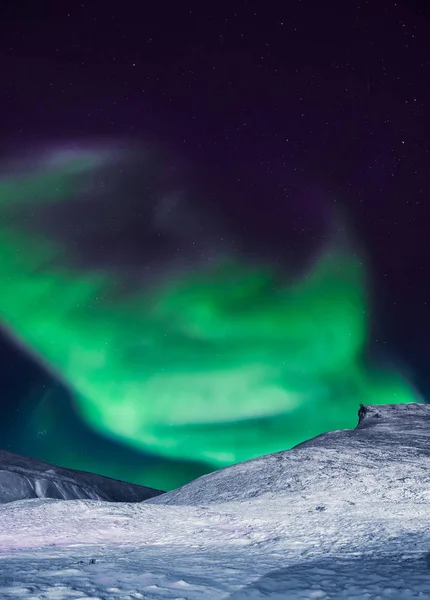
(183, 345)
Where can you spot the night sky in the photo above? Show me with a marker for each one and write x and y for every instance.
(291, 116)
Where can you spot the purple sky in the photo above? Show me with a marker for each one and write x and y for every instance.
(329, 96)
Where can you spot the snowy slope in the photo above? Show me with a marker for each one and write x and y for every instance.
(22, 477)
(386, 458)
(343, 516)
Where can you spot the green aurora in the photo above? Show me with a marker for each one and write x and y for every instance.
(219, 364)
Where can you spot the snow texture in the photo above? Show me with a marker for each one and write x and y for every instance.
(386, 458)
(22, 477)
(343, 516)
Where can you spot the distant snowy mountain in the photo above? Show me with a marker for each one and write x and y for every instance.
(23, 478)
(385, 458)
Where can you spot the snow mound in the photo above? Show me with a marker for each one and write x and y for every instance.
(386, 458)
(24, 478)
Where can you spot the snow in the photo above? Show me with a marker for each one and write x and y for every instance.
(22, 477)
(329, 528)
(385, 458)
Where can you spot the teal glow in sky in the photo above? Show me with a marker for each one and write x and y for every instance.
(218, 363)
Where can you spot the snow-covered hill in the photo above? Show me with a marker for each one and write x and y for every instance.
(22, 477)
(386, 458)
(342, 516)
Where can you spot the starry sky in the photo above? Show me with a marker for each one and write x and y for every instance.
(331, 98)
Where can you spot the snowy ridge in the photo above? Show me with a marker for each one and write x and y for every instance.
(22, 477)
(386, 458)
(342, 516)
